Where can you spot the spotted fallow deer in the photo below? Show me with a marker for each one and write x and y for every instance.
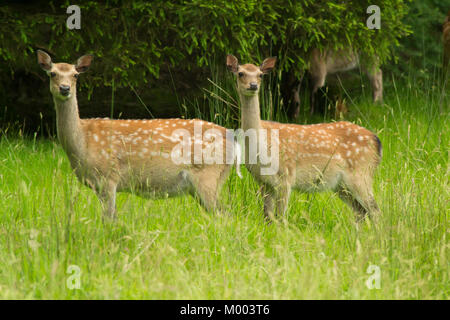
(338, 156)
(129, 155)
(329, 62)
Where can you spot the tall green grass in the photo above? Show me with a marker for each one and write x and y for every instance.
(173, 249)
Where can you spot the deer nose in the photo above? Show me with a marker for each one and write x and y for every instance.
(64, 90)
(253, 86)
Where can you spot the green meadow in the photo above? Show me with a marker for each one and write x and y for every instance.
(54, 244)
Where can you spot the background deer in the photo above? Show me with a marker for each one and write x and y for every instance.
(329, 62)
(127, 155)
(336, 156)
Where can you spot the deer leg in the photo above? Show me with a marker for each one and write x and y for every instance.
(317, 81)
(206, 194)
(282, 199)
(107, 196)
(318, 74)
(206, 185)
(376, 81)
(275, 201)
(296, 97)
(360, 197)
(289, 89)
(269, 203)
(349, 199)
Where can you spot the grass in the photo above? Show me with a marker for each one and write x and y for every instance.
(173, 249)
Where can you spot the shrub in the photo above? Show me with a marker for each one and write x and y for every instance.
(140, 44)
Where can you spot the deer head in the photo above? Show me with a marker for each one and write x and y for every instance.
(63, 76)
(248, 75)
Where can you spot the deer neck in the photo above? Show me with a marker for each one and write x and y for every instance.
(68, 124)
(250, 113)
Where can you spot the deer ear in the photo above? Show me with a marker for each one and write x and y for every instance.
(232, 63)
(44, 60)
(268, 64)
(84, 63)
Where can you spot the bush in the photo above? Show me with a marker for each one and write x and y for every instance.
(134, 39)
(421, 53)
(141, 44)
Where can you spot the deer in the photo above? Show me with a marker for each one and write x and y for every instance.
(130, 155)
(322, 63)
(339, 156)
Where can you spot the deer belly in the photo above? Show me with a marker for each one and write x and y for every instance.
(342, 64)
(155, 182)
(314, 179)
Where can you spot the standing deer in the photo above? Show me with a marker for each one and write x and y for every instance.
(128, 155)
(338, 156)
(329, 62)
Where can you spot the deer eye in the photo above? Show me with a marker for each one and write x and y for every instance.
(76, 75)
(240, 74)
(52, 74)
(261, 75)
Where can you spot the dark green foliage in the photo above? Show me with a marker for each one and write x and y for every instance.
(135, 39)
(167, 44)
(421, 52)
